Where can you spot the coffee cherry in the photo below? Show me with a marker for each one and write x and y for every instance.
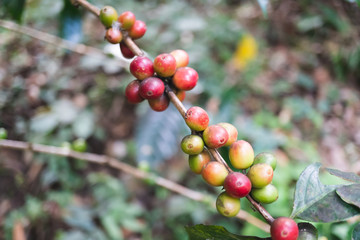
(214, 173)
(137, 30)
(267, 194)
(197, 118)
(198, 161)
(108, 15)
(215, 136)
(232, 131)
(237, 185)
(113, 35)
(181, 57)
(284, 228)
(260, 175)
(126, 52)
(3, 133)
(132, 92)
(266, 158)
(307, 231)
(241, 154)
(192, 144)
(79, 145)
(185, 78)
(127, 20)
(142, 67)
(227, 205)
(165, 65)
(159, 104)
(180, 94)
(151, 88)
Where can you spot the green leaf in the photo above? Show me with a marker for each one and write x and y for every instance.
(13, 8)
(316, 202)
(350, 194)
(208, 232)
(356, 232)
(352, 177)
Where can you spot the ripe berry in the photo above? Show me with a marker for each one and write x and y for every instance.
(137, 30)
(181, 57)
(198, 161)
(113, 35)
(79, 145)
(215, 136)
(267, 194)
(126, 52)
(132, 92)
(214, 173)
(142, 67)
(159, 104)
(192, 144)
(232, 131)
(108, 14)
(127, 20)
(237, 185)
(241, 154)
(260, 175)
(151, 88)
(266, 158)
(284, 228)
(197, 118)
(180, 94)
(227, 205)
(165, 65)
(185, 78)
(3, 133)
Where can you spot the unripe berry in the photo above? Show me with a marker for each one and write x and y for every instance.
(3, 133)
(181, 57)
(151, 88)
(132, 92)
(126, 52)
(127, 20)
(192, 144)
(215, 136)
(198, 161)
(159, 104)
(232, 131)
(241, 154)
(185, 78)
(227, 205)
(266, 158)
(284, 228)
(79, 145)
(165, 65)
(108, 15)
(180, 94)
(260, 175)
(137, 30)
(197, 118)
(214, 173)
(142, 67)
(267, 194)
(237, 185)
(113, 35)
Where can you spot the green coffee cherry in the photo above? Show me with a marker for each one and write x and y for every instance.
(307, 231)
(198, 161)
(79, 145)
(3, 133)
(192, 144)
(227, 206)
(108, 15)
(260, 175)
(266, 158)
(267, 194)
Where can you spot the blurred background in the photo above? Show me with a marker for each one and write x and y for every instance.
(285, 73)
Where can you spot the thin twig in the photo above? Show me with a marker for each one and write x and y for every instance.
(116, 164)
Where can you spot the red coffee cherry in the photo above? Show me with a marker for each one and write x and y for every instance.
(126, 52)
(151, 88)
(227, 205)
(192, 144)
(185, 78)
(232, 131)
(215, 136)
(198, 161)
(260, 175)
(284, 228)
(159, 104)
(237, 185)
(214, 173)
(132, 92)
(127, 20)
(142, 67)
(181, 57)
(241, 154)
(137, 30)
(165, 65)
(108, 15)
(197, 118)
(113, 35)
